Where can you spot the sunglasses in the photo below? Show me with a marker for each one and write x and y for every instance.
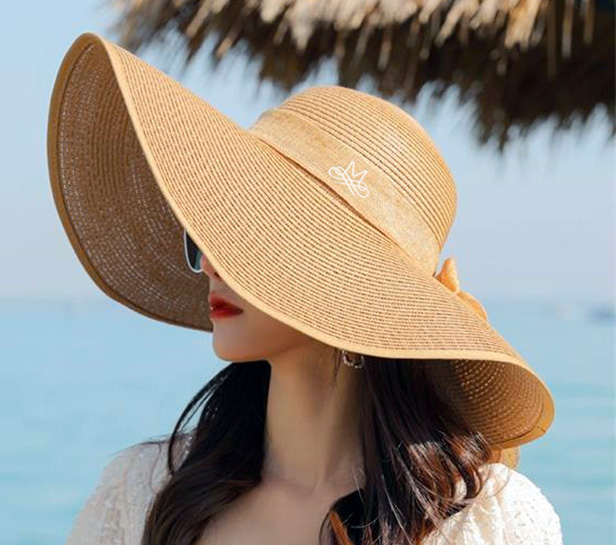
(193, 253)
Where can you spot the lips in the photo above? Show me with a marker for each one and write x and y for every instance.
(218, 303)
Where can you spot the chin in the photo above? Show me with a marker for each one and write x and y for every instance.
(230, 354)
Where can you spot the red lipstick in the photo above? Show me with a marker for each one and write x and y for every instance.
(220, 307)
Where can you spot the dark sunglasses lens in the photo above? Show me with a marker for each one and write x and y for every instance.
(193, 253)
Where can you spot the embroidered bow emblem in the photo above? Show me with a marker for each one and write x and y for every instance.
(349, 177)
(448, 276)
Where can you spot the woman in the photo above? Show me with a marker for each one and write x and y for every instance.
(368, 399)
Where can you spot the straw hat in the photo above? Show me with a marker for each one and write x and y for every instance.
(329, 214)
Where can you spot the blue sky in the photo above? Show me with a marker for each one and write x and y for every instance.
(537, 223)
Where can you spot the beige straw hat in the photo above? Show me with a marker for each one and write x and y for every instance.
(329, 213)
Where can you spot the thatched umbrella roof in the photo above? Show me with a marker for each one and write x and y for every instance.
(517, 61)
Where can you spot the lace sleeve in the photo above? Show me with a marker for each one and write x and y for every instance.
(115, 512)
(101, 520)
(528, 515)
(510, 510)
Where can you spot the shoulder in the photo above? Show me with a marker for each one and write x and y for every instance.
(115, 510)
(525, 513)
(510, 510)
(144, 468)
(519, 497)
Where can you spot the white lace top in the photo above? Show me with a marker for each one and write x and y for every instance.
(114, 513)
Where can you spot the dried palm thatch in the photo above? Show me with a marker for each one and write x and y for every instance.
(518, 62)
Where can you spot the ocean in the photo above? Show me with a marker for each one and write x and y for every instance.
(83, 379)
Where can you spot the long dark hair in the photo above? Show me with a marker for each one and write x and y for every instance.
(416, 449)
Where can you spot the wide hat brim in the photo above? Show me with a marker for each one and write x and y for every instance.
(134, 157)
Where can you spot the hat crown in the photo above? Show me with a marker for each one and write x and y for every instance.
(391, 138)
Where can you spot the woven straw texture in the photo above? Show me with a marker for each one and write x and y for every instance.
(343, 252)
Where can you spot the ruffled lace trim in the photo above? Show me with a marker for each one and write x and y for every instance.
(510, 510)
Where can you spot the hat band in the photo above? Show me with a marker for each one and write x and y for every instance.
(356, 179)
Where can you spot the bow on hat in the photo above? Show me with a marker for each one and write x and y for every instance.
(448, 276)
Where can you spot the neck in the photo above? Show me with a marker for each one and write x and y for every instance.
(312, 424)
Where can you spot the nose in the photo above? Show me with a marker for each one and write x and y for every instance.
(207, 267)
